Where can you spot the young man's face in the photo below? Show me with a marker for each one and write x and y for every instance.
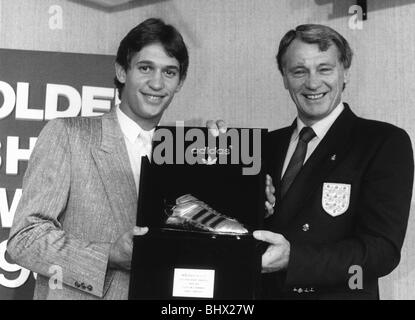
(314, 79)
(149, 85)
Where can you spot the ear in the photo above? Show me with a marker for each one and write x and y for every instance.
(120, 73)
(179, 86)
(346, 76)
(284, 78)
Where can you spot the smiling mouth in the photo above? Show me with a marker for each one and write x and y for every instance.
(153, 98)
(314, 96)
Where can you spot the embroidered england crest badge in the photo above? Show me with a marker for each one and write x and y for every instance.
(335, 198)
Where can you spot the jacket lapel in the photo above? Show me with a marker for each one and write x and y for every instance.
(323, 160)
(278, 146)
(113, 164)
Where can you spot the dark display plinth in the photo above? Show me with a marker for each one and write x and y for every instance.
(235, 264)
(184, 263)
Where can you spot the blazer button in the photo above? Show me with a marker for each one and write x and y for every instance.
(77, 284)
(83, 286)
(89, 288)
(306, 227)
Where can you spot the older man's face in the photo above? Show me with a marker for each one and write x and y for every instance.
(314, 79)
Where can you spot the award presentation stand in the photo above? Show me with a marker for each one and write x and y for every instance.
(172, 262)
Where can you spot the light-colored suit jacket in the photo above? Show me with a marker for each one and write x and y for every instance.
(78, 197)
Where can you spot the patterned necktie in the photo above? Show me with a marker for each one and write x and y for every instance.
(297, 159)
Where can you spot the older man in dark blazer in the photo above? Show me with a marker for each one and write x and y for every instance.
(343, 184)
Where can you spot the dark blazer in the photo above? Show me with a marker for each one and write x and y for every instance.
(346, 211)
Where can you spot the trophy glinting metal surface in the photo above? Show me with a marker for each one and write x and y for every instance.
(190, 212)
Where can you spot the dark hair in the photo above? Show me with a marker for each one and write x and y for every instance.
(149, 32)
(318, 34)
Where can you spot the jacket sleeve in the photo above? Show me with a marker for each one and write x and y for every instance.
(37, 240)
(382, 206)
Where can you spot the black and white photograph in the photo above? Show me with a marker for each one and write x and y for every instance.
(207, 155)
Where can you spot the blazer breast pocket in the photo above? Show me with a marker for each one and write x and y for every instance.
(335, 198)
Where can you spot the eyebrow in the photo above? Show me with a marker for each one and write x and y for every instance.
(152, 63)
(326, 64)
(297, 67)
(302, 66)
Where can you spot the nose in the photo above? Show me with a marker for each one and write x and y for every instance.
(156, 82)
(313, 81)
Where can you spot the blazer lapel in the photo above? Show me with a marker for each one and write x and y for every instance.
(278, 147)
(328, 153)
(112, 161)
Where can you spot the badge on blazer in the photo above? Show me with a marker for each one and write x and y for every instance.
(335, 198)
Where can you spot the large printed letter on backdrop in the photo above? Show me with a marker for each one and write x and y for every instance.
(35, 87)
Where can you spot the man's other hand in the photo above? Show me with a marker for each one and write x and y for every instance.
(122, 250)
(216, 127)
(277, 255)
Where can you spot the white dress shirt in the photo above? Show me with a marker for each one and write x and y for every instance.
(320, 128)
(138, 142)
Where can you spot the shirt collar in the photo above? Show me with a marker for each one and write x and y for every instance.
(320, 127)
(131, 129)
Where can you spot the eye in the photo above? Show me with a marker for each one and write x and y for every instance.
(326, 70)
(144, 69)
(170, 73)
(298, 73)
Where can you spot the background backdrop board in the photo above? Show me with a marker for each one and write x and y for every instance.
(33, 86)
